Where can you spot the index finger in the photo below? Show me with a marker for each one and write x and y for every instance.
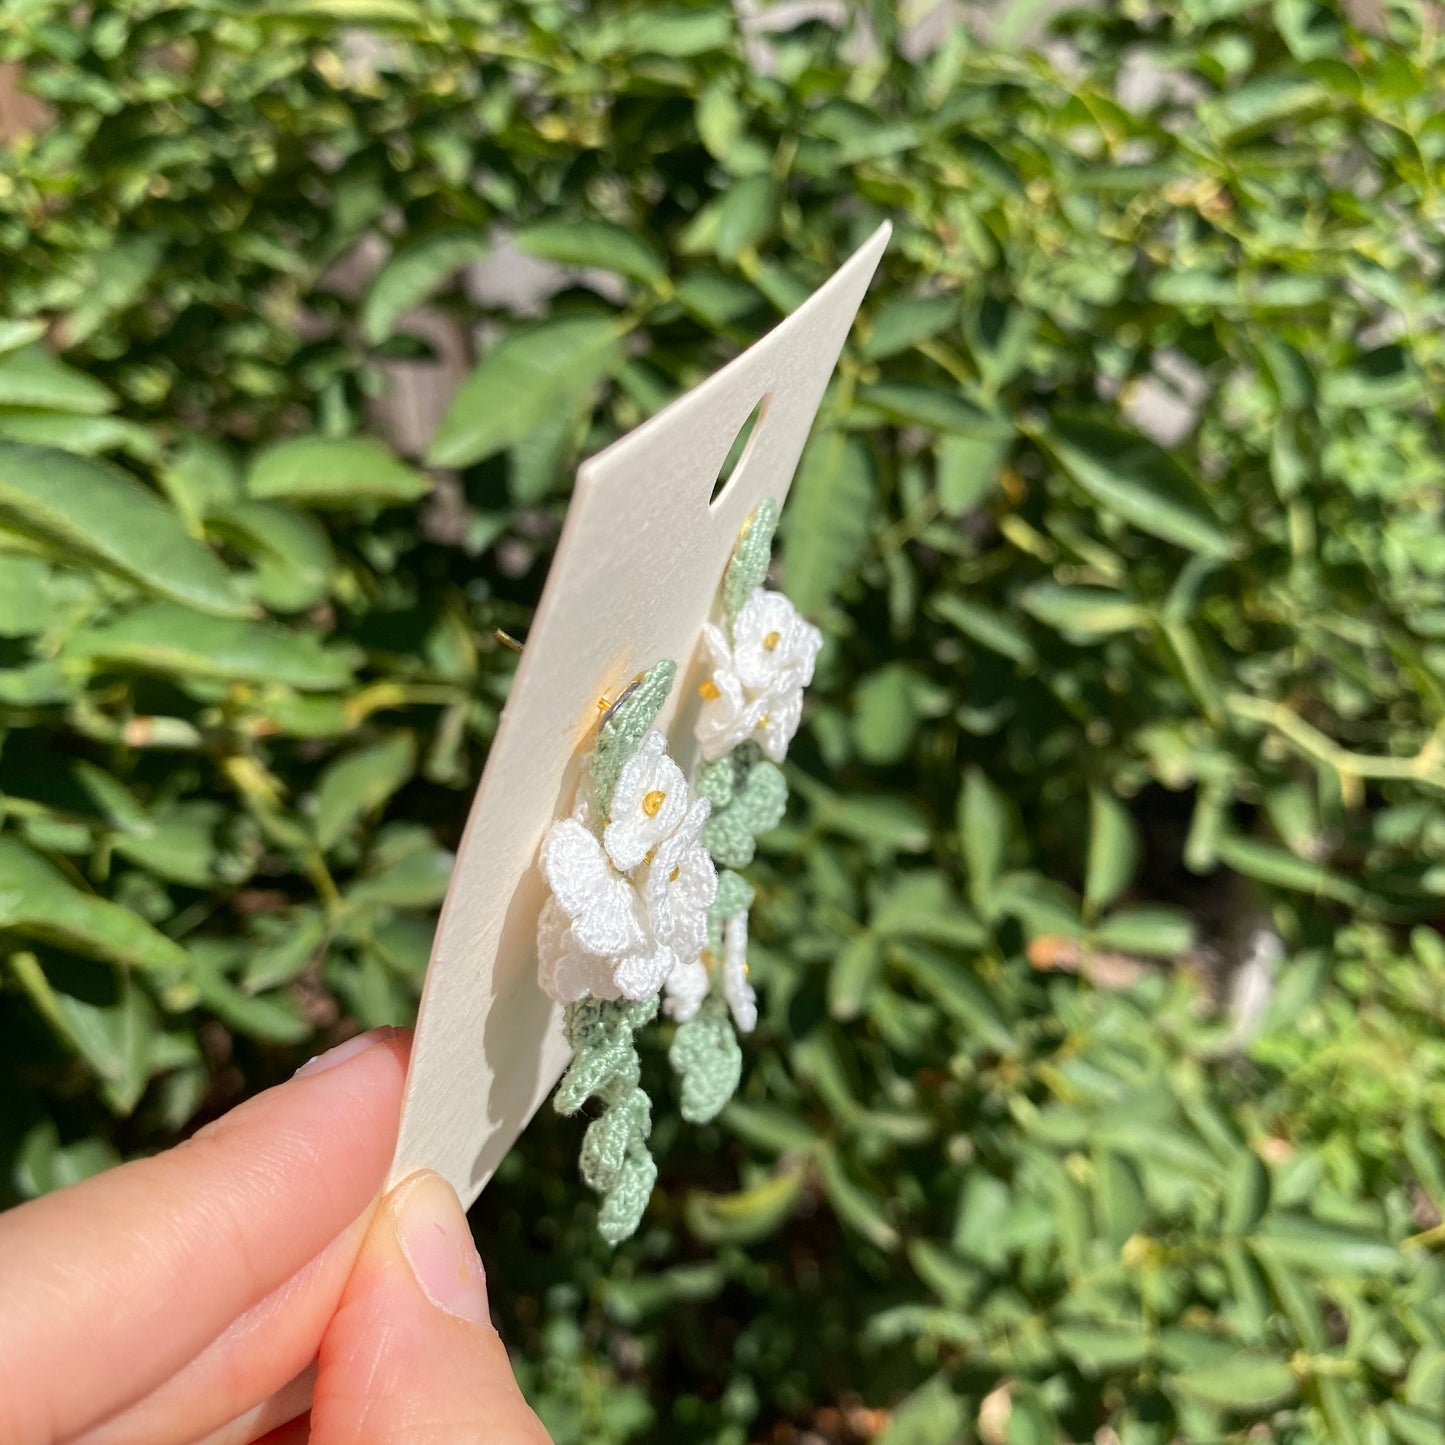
(113, 1284)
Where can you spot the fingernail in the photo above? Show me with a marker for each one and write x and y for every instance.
(342, 1052)
(438, 1245)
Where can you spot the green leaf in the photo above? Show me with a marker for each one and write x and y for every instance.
(106, 1016)
(1324, 1249)
(968, 469)
(1082, 614)
(122, 272)
(272, 1018)
(1249, 1382)
(201, 477)
(25, 602)
(884, 824)
(852, 974)
(359, 783)
(416, 880)
(96, 512)
(33, 377)
(1246, 1194)
(37, 901)
(856, 1207)
(43, 1164)
(1138, 481)
(920, 904)
(86, 435)
(291, 552)
(413, 274)
(929, 1416)
(886, 716)
(904, 321)
(522, 381)
(1113, 850)
(747, 1216)
(746, 216)
(1100, 1348)
(983, 835)
(958, 992)
(909, 403)
(826, 524)
(768, 1127)
(1267, 863)
(321, 471)
(161, 637)
(994, 630)
(15, 334)
(1152, 932)
(599, 244)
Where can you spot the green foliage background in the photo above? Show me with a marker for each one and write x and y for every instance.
(1123, 519)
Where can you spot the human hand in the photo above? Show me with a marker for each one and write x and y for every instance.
(207, 1294)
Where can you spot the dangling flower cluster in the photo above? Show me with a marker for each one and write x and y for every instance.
(629, 907)
(637, 906)
(762, 657)
(760, 665)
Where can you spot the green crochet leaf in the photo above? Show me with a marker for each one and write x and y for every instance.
(707, 1060)
(624, 726)
(749, 565)
(621, 1131)
(623, 1207)
(714, 781)
(731, 833)
(734, 895)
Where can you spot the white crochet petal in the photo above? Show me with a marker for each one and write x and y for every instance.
(642, 974)
(687, 986)
(610, 923)
(573, 863)
(736, 989)
(718, 647)
(566, 970)
(779, 723)
(764, 633)
(601, 905)
(726, 720)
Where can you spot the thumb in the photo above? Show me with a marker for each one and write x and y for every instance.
(411, 1355)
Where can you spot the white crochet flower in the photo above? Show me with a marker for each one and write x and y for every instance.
(629, 908)
(649, 803)
(736, 989)
(759, 672)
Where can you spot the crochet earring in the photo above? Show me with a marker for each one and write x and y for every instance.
(637, 907)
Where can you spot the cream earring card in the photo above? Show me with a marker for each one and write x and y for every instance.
(635, 576)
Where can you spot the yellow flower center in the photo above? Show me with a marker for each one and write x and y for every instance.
(675, 874)
(652, 803)
(762, 722)
(707, 689)
(648, 857)
(706, 959)
(771, 641)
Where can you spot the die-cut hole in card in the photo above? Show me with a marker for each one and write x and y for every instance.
(636, 575)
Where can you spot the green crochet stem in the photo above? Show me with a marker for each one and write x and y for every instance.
(749, 565)
(615, 1158)
(624, 726)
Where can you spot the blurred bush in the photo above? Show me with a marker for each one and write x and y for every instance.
(1098, 1094)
